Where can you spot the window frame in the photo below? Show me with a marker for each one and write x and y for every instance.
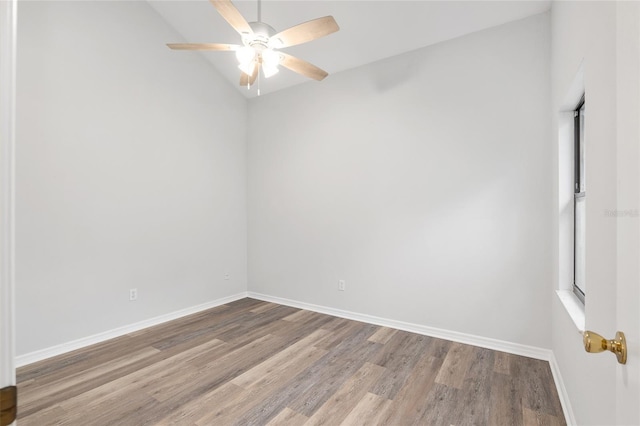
(578, 138)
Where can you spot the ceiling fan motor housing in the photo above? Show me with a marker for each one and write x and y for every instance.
(259, 40)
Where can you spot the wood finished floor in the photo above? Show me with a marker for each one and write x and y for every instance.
(255, 363)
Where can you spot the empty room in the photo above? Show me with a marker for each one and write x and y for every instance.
(344, 212)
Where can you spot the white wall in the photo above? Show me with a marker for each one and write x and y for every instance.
(422, 180)
(586, 35)
(131, 172)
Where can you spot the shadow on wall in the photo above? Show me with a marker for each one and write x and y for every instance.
(395, 72)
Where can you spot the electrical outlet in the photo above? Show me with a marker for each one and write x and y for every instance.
(133, 294)
(226, 277)
(342, 285)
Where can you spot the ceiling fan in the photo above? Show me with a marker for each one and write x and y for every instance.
(261, 44)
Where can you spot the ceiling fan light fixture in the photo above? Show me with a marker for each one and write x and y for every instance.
(247, 68)
(245, 55)
(270, 62)
(269, 71)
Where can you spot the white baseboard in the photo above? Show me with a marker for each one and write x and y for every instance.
(469, 339)
(562, 392)
(52, 351)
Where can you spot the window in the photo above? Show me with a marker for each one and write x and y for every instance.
(579, 203)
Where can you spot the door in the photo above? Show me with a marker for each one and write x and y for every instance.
(628, 209)
(8, 22)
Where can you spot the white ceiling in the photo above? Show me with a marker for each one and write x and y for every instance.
(369, 30)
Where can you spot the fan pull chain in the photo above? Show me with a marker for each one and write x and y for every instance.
(258, 82)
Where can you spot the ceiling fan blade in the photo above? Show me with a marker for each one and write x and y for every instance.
(302, 67)
(245, 80)
(203, 46)
(305, 32)
(232, 16)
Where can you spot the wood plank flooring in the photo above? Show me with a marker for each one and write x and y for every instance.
(256, 363)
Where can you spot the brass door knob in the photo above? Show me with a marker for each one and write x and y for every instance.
(594, 343)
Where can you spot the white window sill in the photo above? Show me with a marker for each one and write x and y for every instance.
(574, 308)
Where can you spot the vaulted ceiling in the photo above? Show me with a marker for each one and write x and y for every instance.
(369, 30)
